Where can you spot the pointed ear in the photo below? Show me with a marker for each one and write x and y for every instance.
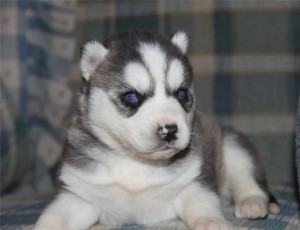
(93, 53)
(180, 39)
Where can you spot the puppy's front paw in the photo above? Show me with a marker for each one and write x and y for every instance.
(213, 224)
(251, 208)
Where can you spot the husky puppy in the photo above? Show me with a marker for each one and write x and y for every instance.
(136, 151)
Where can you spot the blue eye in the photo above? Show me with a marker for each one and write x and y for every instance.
(131, 99)
(182, 95)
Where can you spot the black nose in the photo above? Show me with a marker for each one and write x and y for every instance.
(168, 132)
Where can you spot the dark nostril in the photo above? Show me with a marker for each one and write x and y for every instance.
(172, 129)
(167, 132)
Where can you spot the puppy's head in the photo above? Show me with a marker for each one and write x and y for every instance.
(138, 91)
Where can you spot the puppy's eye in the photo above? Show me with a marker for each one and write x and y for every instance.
(131, 99)
(182, 95)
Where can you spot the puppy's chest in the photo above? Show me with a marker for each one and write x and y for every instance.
(126, 183)
(132, 180)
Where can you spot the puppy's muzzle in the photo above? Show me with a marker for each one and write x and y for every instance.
(168, 132)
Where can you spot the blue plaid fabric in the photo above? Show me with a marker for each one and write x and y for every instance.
(37, 47)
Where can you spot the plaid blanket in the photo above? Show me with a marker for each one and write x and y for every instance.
(24, 216)
(37, 47)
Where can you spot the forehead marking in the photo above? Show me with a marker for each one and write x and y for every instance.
(175, 75)
(155, 59)
(137, 76)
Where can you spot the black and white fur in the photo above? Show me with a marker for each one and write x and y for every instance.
(119, 167)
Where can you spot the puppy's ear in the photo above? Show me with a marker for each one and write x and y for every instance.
(180, 39)
(92, 55)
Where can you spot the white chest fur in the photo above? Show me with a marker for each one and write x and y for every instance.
(129, 191)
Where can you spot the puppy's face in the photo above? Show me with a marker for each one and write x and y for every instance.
(139, 90)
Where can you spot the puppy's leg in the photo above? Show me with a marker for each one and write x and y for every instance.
(245, 177)
(200, 209)
(67, 212)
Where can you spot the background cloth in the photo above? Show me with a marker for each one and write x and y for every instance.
(37, 48)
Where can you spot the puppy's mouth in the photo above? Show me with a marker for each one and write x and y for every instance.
(165, 152)
(163, 148)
